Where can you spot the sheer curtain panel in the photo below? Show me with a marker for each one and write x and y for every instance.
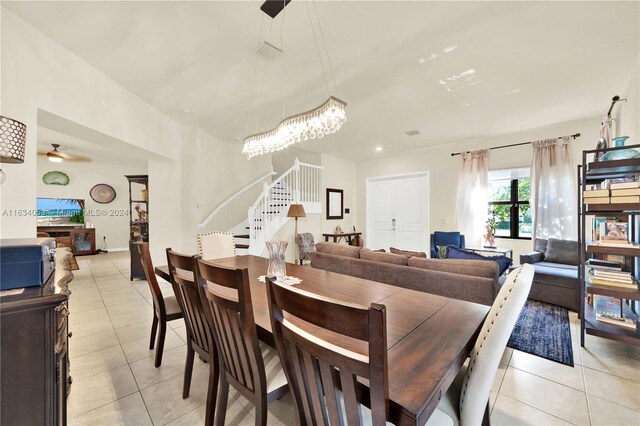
(553, 190)
(471, 212)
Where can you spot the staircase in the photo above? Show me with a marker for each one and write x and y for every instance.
(301, 183)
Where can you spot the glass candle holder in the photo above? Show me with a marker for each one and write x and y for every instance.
(277, 265)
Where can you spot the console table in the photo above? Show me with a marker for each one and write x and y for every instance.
(494, 250)
(79, 240)
(346, 235)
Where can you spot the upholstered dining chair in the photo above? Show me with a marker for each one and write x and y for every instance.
(443, 239)
(199, 335)
(165, 308)
(466, 401)
(216, 245)
(306, 246)
(321, 369)
(251, 367)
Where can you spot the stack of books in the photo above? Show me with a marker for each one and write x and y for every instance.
(609, 278)
(596, 196)
(625, 192)
(603, 265)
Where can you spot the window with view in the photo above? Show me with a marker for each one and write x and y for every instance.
(509, 208)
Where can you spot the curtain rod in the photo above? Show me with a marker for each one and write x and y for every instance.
(575, 135)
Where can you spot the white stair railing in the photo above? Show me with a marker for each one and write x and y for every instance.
(218, 214)
(302, 183)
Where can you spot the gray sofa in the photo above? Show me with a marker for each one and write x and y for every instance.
(471, 280)
(556, 278)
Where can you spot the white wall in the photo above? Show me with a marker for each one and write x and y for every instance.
(443, 169)
(628, 113)
(339, 173)
(82, 177)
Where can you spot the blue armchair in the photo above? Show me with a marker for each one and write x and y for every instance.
(439, 238)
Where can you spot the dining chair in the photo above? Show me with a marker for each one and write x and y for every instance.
(199, 336)
(165, 308)
(216, 245)
(323, 364)
(251, 367)
(467, 400)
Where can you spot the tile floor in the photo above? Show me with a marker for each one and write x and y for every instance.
(115, 381)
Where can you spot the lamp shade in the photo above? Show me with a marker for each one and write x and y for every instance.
(13, 138)
(296, 210)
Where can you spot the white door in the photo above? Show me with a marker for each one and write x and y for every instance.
(397, 212)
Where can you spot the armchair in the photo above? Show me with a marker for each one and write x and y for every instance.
(440, 238)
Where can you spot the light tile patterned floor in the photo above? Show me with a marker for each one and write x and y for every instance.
(115, 381)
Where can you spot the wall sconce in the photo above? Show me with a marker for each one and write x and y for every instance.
(13, 139)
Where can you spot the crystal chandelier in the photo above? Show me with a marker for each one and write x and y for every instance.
(316, 123)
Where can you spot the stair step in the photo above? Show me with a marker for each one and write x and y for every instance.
(241, 236)
(242, 246)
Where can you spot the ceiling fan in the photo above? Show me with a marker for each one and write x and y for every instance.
(56, 156)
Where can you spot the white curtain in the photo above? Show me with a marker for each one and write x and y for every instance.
(471, 213)
(553, 190)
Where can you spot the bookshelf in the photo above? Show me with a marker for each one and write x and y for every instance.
(138, 230)
(595, 173)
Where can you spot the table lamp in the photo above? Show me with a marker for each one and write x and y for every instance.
(296, 210)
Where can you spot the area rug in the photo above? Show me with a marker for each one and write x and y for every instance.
(543, 330)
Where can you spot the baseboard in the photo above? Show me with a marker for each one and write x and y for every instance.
(111, 250)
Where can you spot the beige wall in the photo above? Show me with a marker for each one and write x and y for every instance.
(339, 173)
(628, 113)
(443, 169)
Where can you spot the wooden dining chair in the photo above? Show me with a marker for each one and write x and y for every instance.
(467, 399)
(199, 336)
(165, 308)
(323, 366)
(251, 367)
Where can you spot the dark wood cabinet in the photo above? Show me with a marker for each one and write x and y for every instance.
(80, 240)
(34, 358)
(138, 225)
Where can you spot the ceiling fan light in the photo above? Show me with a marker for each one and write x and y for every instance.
(54, 158)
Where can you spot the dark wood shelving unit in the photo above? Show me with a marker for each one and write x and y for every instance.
(591, 173)
(138, 230)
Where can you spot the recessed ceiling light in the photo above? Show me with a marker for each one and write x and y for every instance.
(185, 110)
(422, 60)
(413, 132)
(378, 148)
(450, 48)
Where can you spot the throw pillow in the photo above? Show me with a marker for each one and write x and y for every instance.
(562, 251)
(503, 262)
(442, 251)
(408, 252)
(540, 245)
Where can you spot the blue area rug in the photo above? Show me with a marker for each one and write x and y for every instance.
(543, 330)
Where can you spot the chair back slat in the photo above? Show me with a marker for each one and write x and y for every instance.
(149, 273)
(181, 270)
(228, 299)
(318, 370)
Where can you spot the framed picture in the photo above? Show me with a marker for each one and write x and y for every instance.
(335, 199)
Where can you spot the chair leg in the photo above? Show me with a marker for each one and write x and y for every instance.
(223, 397)
(261, 411)
(154, 328)
(212, 393)
(486, 419)
(188, 370)
(160, 348)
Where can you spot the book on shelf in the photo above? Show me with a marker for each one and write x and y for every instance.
(597, 200)
(604, 264)
(596, 193)
(603, 276)
(626, 276)
(625, 192)
(624, 185)
(619, 321)
(613, 243)
(613, 284)
(625, 200)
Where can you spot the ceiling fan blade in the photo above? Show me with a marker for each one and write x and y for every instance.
(77, 158)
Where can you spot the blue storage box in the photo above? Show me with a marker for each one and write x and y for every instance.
(26, 262)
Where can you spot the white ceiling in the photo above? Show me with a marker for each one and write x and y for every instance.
(399, 65)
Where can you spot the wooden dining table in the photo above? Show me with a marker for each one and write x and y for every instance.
(429, 337)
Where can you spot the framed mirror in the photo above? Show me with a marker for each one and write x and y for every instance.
(335, 200)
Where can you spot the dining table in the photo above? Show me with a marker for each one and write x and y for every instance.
(429, 337)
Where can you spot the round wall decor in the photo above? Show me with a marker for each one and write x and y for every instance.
(55, 178)
(102, 193)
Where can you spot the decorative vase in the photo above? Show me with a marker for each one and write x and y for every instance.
(277, 265)
(620, 154)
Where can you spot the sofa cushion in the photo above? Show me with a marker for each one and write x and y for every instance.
(540, 245)
(477, 268)
(396, 259)
(338, 249)
(557, 265)
(551, 275)
(503, 261)
(408, 252)
(561, 251)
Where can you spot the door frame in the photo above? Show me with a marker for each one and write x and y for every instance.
(368, 215)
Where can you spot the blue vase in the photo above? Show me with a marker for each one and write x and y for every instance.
(620, 154)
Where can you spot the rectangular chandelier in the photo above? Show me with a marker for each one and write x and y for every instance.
(316, 123)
